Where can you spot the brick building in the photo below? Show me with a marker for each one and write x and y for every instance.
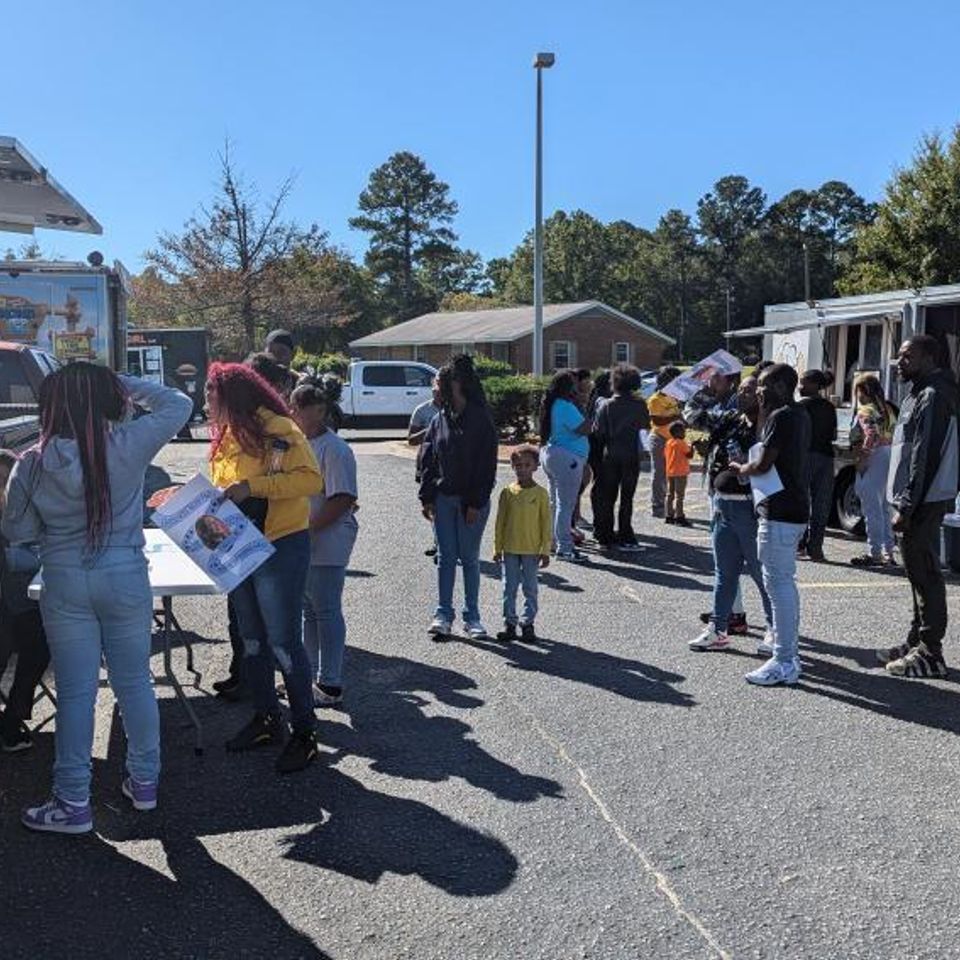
(587, 334)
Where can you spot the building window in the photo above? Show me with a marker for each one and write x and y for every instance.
(458, 348)
(418, 353)
(500, 351)
(561, 354)
(621, 352)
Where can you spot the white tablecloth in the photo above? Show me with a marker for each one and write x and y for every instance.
(172, 572)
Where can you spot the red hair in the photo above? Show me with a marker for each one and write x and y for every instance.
(241, 394)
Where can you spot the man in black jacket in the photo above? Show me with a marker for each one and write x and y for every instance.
(922, 486)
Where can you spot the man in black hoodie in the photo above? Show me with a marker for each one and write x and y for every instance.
(922, 486)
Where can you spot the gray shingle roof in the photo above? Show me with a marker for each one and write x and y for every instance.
(488, 326)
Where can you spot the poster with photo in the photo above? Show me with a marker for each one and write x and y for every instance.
(688, 384)
(213, 532)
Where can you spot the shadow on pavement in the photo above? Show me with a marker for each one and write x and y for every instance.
(631, 679)
(100, 902)
(330, 819)
(869, 687)
(548, 578)
(388, 725)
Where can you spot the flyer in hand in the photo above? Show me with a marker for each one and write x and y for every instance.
(688, 384)
(213, 532)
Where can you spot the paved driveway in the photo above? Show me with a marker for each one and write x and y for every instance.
(602, 793)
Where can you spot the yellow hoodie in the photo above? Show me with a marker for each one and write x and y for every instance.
(286, 477)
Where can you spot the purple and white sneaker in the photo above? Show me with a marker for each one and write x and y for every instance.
(143, 796)
(58, 816)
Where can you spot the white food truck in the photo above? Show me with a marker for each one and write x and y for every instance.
(849, 335)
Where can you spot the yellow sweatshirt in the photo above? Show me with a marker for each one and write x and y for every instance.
(286, 477)
(524, 524)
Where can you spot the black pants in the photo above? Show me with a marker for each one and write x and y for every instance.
(237, 649)
(921, 559)
(23, 634)
(617, 478)
(821, 495)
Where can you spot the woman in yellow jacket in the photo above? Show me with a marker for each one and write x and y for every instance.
(263, 463)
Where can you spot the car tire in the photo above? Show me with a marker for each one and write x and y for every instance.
(846, 502)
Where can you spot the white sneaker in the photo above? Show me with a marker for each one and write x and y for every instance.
(710, 640)
(773, 672)
(765, 646)
(475, 630)
(440, 627)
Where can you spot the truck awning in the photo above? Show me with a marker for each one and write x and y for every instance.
(809, 323)
(30, 198)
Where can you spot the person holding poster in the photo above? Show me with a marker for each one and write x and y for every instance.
(79, 495)
(785, 449)
(259, 453)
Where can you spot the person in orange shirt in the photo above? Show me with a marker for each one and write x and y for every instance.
(678, 455)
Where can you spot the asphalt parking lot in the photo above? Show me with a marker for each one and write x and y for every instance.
(601, 793)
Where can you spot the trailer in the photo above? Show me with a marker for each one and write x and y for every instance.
(74, 311)
(851, 335)
(50, 312)
(176, 356)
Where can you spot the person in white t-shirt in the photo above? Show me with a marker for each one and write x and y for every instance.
(333, 532)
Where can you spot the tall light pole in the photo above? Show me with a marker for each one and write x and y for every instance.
(542, 61)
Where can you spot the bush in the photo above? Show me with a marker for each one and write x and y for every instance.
(487, 368)
(320, 363)
(515, 402)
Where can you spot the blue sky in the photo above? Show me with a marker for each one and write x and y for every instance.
(649, 103)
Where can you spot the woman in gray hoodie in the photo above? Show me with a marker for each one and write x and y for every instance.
(79, 494)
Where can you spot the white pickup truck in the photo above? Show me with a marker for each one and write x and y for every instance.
(380, 393)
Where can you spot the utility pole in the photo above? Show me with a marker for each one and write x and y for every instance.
(542, 61)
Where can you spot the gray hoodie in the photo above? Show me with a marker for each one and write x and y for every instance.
(45, 499)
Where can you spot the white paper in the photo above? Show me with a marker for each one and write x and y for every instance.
(213, 533)
(698, 376)
(763, 485)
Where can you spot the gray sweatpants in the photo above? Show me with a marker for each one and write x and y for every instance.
(658, 482)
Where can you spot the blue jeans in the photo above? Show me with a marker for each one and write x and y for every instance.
(269, 606)
(520, 570)
(102, 610)
(324, 629)
(871, 488)
(777, 544)
(564, 470)
(458, 540)
(735, 548)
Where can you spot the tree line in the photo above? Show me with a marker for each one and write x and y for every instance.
(239, 266)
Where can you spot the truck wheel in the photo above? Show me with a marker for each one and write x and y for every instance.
(847, 503)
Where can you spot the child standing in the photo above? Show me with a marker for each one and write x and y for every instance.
(333, 532)
(522, 541)
(678, 455)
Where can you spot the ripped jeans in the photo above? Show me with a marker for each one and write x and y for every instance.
(269, 605)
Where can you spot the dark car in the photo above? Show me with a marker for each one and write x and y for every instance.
(22, 369)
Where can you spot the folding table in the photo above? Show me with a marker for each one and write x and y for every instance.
(172, 574)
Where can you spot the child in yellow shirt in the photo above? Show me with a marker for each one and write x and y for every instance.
(522, 539)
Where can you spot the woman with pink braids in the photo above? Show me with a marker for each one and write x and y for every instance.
(79, 494)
